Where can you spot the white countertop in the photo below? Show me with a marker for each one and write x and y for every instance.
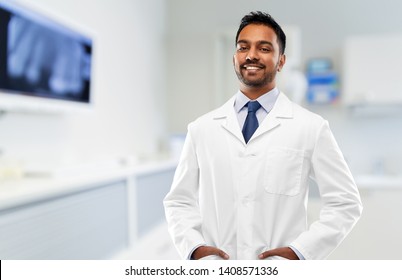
(25, 190)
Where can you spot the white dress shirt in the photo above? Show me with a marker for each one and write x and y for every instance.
(266, 100)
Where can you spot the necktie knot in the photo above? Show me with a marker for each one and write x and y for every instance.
(253, 106)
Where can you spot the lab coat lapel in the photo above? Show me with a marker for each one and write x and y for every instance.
(281, 110)
(226, 114)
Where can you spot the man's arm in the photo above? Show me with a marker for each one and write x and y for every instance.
(181, 203)
(342, 206)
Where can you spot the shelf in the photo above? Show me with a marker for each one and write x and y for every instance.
(380, 182)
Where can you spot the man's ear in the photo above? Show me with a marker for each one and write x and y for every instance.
(282, 61)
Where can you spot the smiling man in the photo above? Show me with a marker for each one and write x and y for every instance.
(241, 187)
(259, 56)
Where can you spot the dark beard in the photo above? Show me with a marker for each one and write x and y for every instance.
(268, 78)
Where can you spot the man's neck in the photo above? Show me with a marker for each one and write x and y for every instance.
(254, 93)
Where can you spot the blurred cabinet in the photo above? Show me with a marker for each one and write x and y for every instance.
(87, 224)
(95, 217)
(377, 235)
(372, 70)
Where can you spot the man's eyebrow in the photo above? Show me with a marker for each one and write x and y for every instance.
(262, 42)
(265, 43)
(242, 42)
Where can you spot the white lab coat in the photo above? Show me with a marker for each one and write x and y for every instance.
(248, 198)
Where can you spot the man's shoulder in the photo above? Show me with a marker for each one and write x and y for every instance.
(209, 117)
(203, 120)
(299, 112)
(303, 111)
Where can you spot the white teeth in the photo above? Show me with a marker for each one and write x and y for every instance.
(252, 68)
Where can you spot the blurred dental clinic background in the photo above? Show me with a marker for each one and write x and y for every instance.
(96, 95)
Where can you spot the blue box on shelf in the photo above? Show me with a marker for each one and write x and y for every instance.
(323, 82)
(322, 88)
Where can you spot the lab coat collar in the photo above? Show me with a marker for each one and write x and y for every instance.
(283, 109)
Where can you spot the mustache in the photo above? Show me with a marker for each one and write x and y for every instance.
(254, 63)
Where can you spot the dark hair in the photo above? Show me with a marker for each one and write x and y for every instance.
(265, 19)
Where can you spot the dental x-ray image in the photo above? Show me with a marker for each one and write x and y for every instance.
(43, 59)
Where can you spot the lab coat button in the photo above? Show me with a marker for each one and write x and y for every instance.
(250, 155)
(246, 201)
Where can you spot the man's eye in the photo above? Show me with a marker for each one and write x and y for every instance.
(242, 48)
(265, 50)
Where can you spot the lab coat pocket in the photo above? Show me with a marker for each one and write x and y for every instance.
(283, 172)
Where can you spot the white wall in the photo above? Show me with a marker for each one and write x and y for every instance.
(128, 86)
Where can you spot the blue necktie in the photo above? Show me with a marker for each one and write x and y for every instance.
(251, 123)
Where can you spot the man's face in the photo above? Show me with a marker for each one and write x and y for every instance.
(257, 57)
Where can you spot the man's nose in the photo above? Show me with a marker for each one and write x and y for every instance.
(252, 55)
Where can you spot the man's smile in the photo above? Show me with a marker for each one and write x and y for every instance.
(252, 68)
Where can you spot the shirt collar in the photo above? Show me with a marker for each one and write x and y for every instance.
(267, 100)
